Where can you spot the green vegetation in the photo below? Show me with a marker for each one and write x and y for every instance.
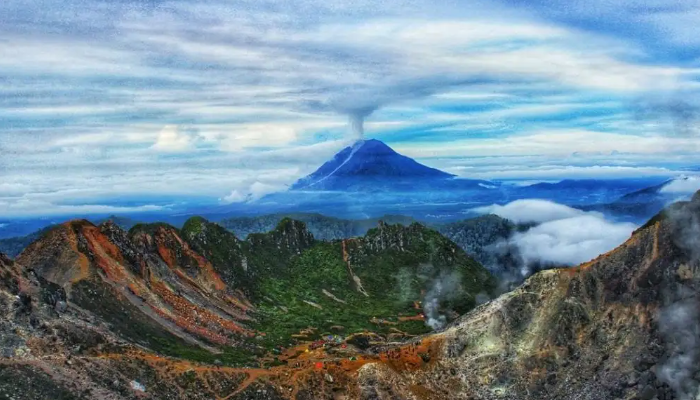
(371, 283)
(297, 282)
(406, 264)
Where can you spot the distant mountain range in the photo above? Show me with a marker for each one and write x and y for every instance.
(640, 204)
(485, 237)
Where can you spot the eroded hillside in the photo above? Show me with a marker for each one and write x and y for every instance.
(197, 313)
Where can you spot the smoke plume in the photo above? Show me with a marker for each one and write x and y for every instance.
(357, 128)
(357, 104)
(446, 286)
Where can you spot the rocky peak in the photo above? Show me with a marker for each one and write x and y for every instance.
(202, 233)
(151, 238)
(58, 255)
(560, 328)
(290, 237)
(222, 248)
(396, 236)
(121, 239)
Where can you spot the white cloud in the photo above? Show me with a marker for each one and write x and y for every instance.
(571, 240)
(259, 189)
(531, 210)
(28, 206)
(255, 191)
(682, 185)
(172, 139)
(234, 197)
(558, 171)
(563, 236)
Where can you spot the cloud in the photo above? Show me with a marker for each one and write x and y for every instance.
(571, 240)
(531, 210)
(682, 185)
(563, 236)
(555, 143)
(30, 206)
(556, 172)
(679, 325)
(172, 139)
(255, 191)
(235, 196)
(259, 189)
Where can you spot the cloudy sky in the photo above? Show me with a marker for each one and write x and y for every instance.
(125, 103)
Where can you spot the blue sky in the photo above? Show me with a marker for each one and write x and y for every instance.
(207, 101)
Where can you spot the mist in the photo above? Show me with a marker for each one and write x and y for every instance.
(679, 322)
(679, 325)
(446, 286)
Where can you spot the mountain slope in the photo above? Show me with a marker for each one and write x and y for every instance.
(483, 238)
(366, 164)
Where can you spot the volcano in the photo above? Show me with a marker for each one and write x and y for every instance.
(371, 164)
